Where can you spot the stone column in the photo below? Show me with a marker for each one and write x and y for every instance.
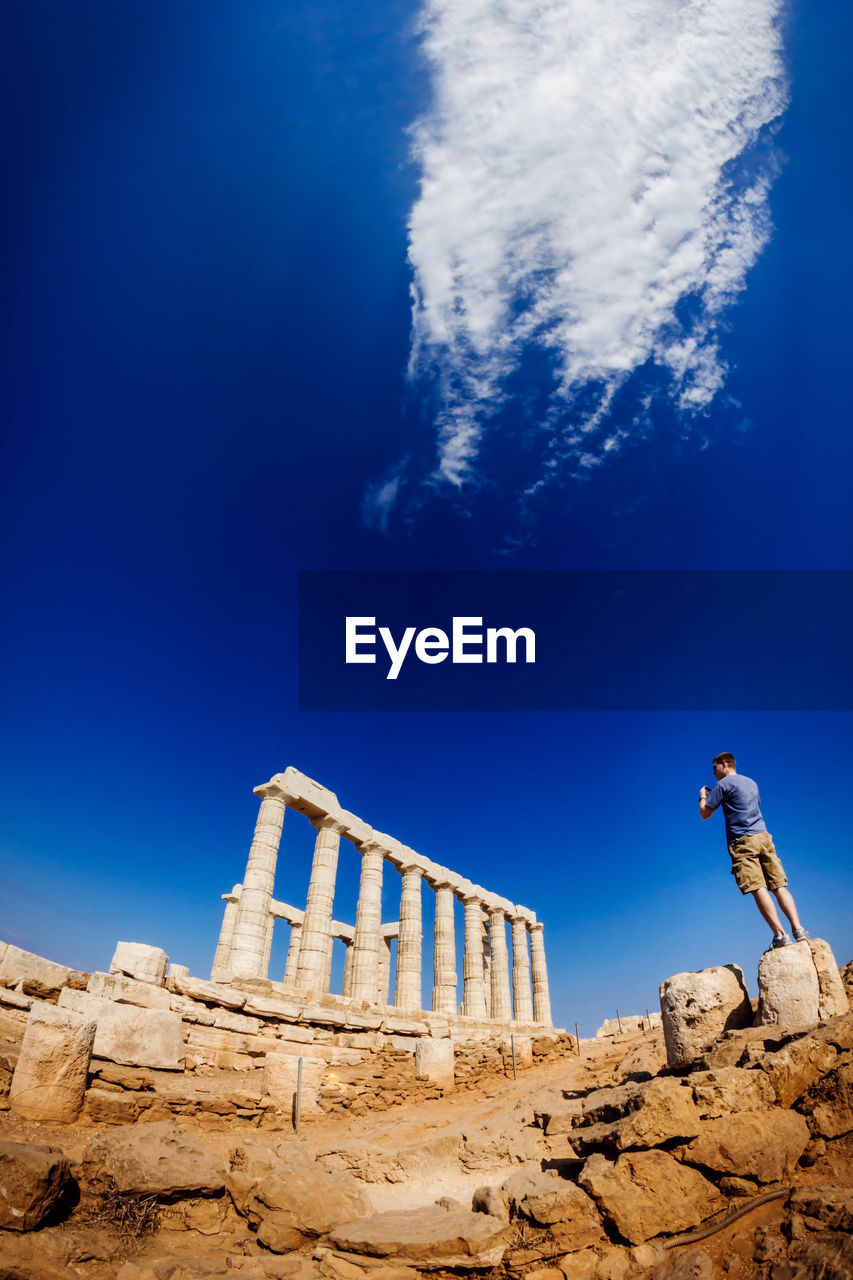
(474, 1001)
(541, 998)
(383, 988)
(221, 961)
(368, 925)
(316, 944)
(346, 989)
(487, 963)
(268, 944)
(248, 943)
(292, 963)
(444, 953)
(407, 994)
(501, 1009)
(522, 1002)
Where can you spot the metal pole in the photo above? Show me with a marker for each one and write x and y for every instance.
(578, 1039)
(619, 1020)
(649, 1021)
(298, 1111)
(512, 1046)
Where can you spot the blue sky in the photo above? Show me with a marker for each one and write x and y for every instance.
(629, 346)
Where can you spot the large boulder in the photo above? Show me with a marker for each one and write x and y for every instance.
(830, 1103)
(788, 989)
(300, 1201)
(34, 1182)
(431, 1237)
(696, 1008)
(157, 1158)
(764, 1146)
(832, 1001)
(645, 1193)
(129, 1034)
(551, 1201)
(50, 1077)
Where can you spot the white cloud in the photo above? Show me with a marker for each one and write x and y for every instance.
(586, 167)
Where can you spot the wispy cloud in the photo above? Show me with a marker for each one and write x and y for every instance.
(591, 187)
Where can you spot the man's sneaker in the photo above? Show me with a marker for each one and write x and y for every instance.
(800, 935)
(782, 941)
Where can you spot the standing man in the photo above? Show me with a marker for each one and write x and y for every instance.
(755, 865)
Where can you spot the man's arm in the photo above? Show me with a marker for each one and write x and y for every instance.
(705, 810)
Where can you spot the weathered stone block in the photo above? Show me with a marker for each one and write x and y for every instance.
(155, 1159)
(281, 1077)
(762, 1145)
(430, 1237)
(793, 1069)
(16, 965)
(50, 1078)
(34, 1182)
(302, 1201)
(129, 1034)
(788, 989)
(138, 960)
(832, 1000)
(727, 1089)
(434, 1059)
(115, 986)
(697, 1007)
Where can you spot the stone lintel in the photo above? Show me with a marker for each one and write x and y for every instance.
(327, 822)
(391, 930)
(284, 911)
(354, 829)
(302, 793)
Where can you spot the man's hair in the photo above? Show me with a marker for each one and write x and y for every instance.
(725, 757)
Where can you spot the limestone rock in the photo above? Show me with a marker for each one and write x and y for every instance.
(428, 1237)
(130, 1034)
(252, 1161)
(830, 1103)
(115, 986)
(788, 991)
(301, 1201)
(762, 1145)
(17, 965)
(490, 1200)
(697, 1007)
(566, 1209)
(662, 1110)
(833, 998)
(727, 1089)
(646, 1193)
(830, 1205)
(793, 1069)
(138, 960)
(281, 1073)
(434, 1059)
(34, 1182)
(157, 1158)
(690, 1263)
(50, 1077)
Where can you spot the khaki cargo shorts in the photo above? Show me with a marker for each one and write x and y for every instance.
(755, 864)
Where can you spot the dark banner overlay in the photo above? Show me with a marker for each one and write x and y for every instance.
(644, 640)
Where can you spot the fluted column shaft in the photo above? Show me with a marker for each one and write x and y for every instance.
(292, 963)
(522, 1002)
(383, 986)
(541, 997)
(407, 994)
(444, 952)
(221, 960)
(346, 989)
(315, 948)
(248, 944)
(368, 926)
(501, 1010)
(487, 964)
(474, 1000)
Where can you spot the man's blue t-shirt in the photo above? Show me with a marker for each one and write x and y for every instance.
(740, 800)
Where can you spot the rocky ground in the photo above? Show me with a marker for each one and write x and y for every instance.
(591, 1167)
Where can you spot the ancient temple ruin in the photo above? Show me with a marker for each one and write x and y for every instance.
(493, 991)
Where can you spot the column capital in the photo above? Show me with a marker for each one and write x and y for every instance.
(325, 822)
(407, 868)
(538, 927)
(370, 846)
(269, 791)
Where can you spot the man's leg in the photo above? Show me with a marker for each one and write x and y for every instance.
(786, 901)
(767, 907)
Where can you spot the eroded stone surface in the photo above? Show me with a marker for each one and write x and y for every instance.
(427, 1237)
(793, 1069)
(832, 999)
(762, 1145)
(50, 1077)
(138, 960)
(726, 1089)
(788, 991)
(115, 986)
(645, 1193)
(697, 1007)
(301, 1201)
(434, 1059)
(34, 1181)
(16, 965)
(155, 1159)
(130, 1034)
